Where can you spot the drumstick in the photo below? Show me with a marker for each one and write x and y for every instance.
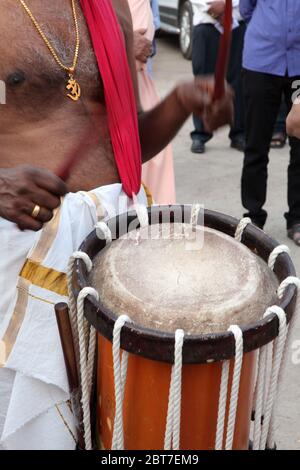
(223, 54)
(66, 337)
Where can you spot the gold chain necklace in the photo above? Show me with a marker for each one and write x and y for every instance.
(72, 86)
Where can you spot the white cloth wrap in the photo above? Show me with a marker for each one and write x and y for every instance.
(33, 381)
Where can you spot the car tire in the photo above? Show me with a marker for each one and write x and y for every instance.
(186, 29)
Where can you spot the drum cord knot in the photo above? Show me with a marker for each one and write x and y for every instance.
(289, 281)
(242, 225)
(280, 249)
(103, 232)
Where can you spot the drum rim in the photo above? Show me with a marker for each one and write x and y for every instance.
(202, 348)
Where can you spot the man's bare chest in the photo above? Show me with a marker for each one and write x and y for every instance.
(29, 70)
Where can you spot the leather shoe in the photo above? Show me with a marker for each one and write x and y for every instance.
(238, 144)
(198, 146)
(294, 234)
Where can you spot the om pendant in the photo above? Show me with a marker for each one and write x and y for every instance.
(74, 89)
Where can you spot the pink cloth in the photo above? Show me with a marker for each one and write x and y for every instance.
(158, 173)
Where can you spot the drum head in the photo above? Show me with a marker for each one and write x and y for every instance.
(167, 276)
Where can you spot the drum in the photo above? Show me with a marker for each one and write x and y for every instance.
(188, 351)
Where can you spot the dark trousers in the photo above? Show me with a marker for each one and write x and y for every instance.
(263, 95)
(280, 126)
(206, 40)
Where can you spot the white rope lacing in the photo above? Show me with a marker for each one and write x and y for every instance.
(222, 405)
(172, 432)
(103, 232)
(294, 281)
(84, 339)
(72, 301)
(234, 394)
(241, 228)
(259, 397)
(86, 362)
(290, 281)
(270, 359)
(279, 344)
(120, 374)
(268, 372)
(275, 253)
(235, 387)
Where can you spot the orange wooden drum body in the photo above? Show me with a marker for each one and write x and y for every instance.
(151, 351)
(146, 402)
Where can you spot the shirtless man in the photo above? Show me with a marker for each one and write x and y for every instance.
(39, 126)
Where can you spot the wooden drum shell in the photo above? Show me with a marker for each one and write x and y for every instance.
(151, 355)
(146, 402)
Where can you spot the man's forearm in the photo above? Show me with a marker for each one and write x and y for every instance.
(160, 125)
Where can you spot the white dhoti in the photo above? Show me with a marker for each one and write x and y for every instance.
(34, 393)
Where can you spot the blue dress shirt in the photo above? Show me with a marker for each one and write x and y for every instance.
(272, 41)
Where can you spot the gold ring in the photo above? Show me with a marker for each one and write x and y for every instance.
(36, 211)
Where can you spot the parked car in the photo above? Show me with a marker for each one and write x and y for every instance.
(177, 17)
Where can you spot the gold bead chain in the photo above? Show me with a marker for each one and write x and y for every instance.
(72, 84)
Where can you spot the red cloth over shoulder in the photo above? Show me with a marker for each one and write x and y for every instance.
(109, 46)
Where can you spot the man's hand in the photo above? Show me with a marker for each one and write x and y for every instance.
(216, 9)
(142, 46)
(218, 113)
(197, 97)
(24, 187)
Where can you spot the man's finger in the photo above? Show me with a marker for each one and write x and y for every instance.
(50, 182)
(44, 215)
(25, 222)
(44, 199)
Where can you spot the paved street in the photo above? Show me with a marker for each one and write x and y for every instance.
(213, 179)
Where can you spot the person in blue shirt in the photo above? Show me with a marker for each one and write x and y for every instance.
(271, 62)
